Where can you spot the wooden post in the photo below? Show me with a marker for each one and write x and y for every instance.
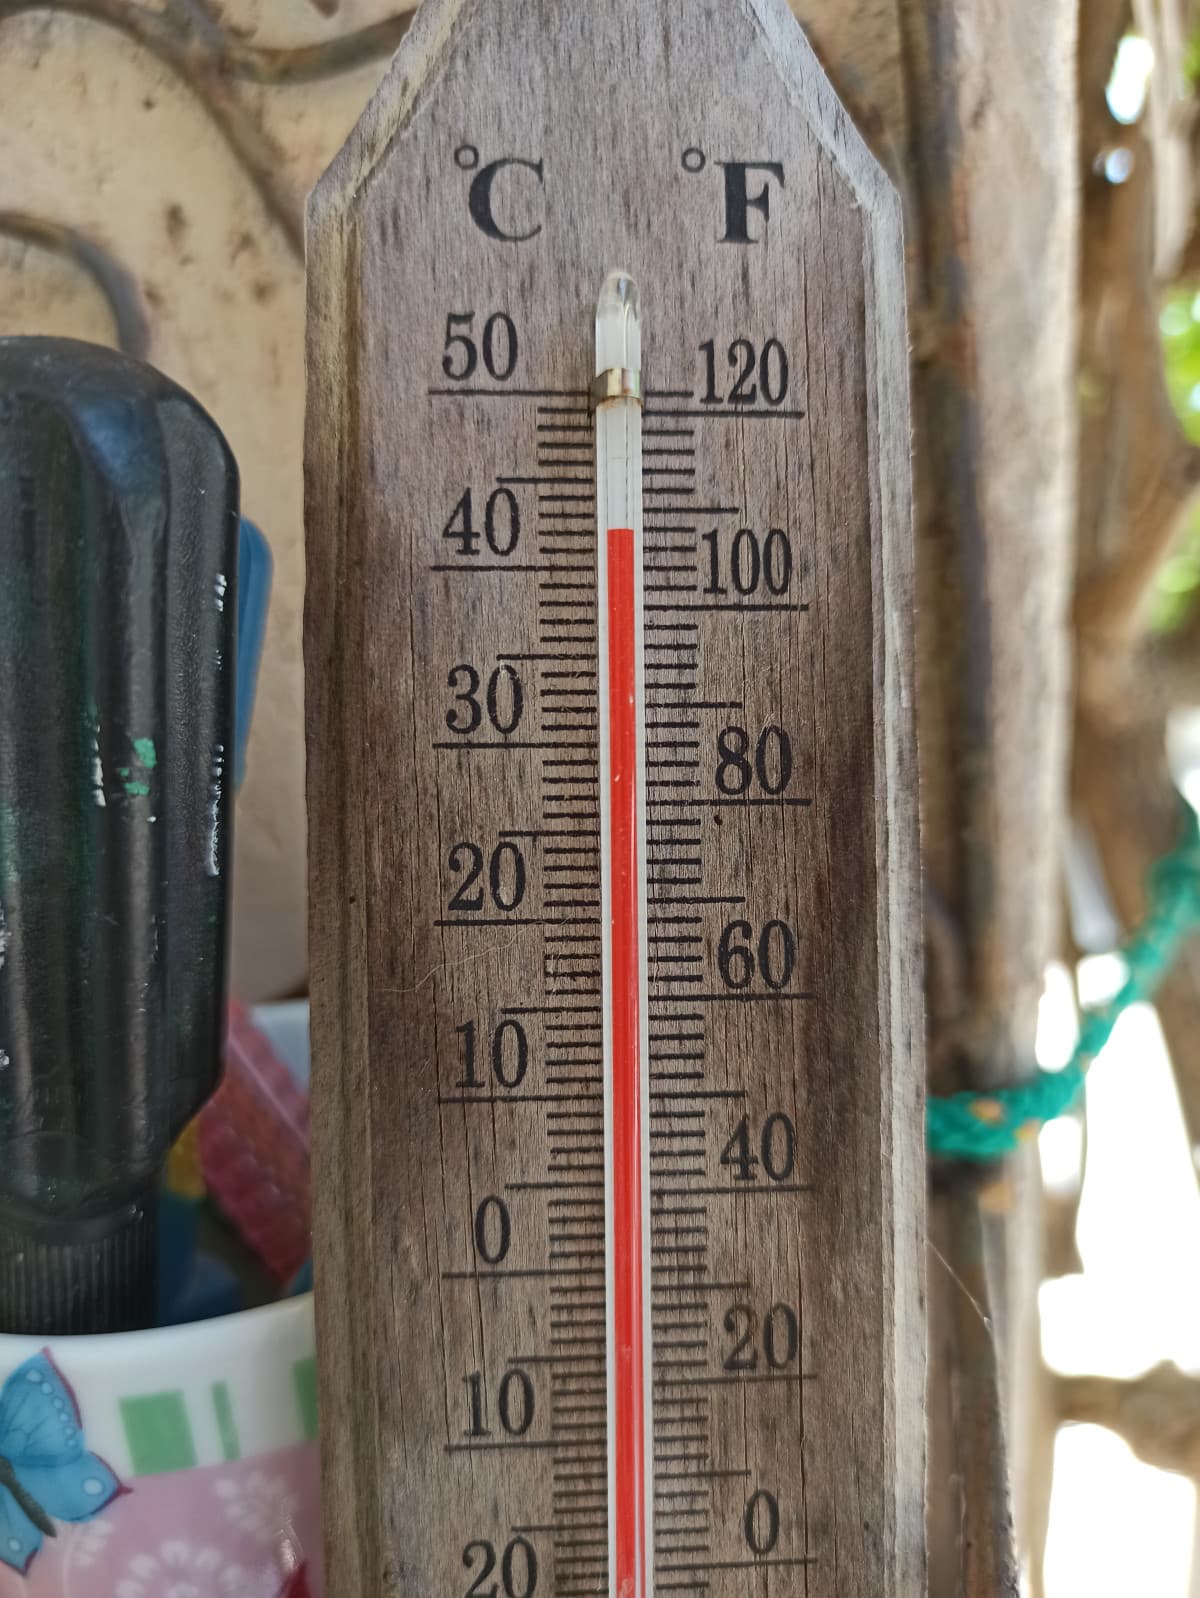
(517, 151)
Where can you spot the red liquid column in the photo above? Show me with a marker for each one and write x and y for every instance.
(628, 1215)
(617, 397)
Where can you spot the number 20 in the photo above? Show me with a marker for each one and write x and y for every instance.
(518, 1569)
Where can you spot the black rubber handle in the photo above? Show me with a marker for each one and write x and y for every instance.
(118, 550)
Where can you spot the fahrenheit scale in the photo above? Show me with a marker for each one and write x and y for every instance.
(617, 1026)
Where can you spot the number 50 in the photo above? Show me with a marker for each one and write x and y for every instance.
(498, 346)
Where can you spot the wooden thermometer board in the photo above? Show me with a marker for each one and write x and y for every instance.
(518, 151)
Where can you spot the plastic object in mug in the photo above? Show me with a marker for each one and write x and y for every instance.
(253, 600)
(253, 1143)
(118, 553)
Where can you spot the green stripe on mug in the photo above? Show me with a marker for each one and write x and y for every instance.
(304, 1375)
(158, 1433)
(226, 1425)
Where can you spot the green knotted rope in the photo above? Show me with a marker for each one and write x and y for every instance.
(987, 1126)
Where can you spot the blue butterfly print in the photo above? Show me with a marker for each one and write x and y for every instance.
(46, 1471)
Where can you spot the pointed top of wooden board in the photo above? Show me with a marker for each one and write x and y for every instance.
(516, 152)
(478, 27)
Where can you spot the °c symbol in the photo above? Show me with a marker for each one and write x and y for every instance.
(693, 159)
(466, 157)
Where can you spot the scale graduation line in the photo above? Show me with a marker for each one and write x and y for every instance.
(623, 954)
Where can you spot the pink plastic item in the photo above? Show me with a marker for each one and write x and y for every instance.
(252, 1137)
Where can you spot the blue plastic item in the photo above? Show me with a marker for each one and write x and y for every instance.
(192, 1284)
(253, 599)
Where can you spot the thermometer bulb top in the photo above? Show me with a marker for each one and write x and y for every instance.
(618, 325)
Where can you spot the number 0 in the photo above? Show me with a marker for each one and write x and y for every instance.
(492, 1250)
(518, 1569)
(761, 1523)
(498, 368)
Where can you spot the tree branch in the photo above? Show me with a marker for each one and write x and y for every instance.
(970, 1512)
(1157, 1413)
(1139, 477)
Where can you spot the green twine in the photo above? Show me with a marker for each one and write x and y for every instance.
(987, 1126)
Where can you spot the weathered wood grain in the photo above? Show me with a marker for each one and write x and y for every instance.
(608, 99)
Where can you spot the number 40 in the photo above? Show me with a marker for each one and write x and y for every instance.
(776, 1149)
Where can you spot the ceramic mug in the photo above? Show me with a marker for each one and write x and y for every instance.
(179, 1463)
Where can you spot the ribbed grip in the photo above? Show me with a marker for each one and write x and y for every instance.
(118, 588)
(102, 1284)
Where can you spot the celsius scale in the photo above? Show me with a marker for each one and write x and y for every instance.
(617, 1026)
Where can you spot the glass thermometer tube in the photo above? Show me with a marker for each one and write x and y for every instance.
(616, 394)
